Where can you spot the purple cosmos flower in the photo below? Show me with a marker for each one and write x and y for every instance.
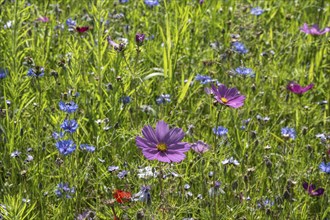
(288, 133)
(68, 107)
(296, 88)
(43, 19)
(310, 188)
(162, 144)
(314, 29)
(200, 147)
(69, 126)
(240, 48)
(228, 96)
(257, 11)
(325, 167)
(139, 38)
(36, 72)
(66, 147)
(151, 2)
(64, 189)
(87, 147)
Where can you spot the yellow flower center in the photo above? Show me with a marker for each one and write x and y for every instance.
(161, 147)
(224, 100)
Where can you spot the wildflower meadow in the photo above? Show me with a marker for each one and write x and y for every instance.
(164, 109)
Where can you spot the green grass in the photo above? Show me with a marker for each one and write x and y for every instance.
(167, 64)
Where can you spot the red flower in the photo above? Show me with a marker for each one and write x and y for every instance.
(82, 29)
(122, 196)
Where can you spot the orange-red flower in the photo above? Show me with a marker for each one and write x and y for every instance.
(122, 196)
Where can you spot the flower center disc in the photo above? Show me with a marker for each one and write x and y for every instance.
(224, 100)
(161, 147)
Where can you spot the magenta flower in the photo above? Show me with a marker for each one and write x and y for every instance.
(310, 188)
(162, 144)
(296, 88)
(227, 96)
(314, 29)
(43, 19)
(200, 147)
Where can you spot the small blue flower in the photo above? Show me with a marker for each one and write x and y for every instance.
(143, 195)
(257, 11)
(87, 147)
(125, 100)
(123, 1)
(3, 73)
(70, 22)
(15, 154)
(64, 189)
(240, 48)
(244, 71)
(112, 168)
(204, 79)
(122, 174)
(325, 167)
(68, 107)
(69, 126)
(66, 147)
(36, 72)
(220, 131)
(288, 133)
(57, 136)
(162, 99)
(151, 2)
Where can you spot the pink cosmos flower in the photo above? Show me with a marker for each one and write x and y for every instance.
(200, 147)
(227, 96)
(314, 29)
(296, 88)
(43, 19)
(310, 188)
(162, 144)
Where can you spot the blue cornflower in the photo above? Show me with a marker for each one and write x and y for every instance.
(87, 147)
(69, 126)
(325, 167)
(125, 100)
(220, 131)
(15, 154)
(143, 195)
(163, 98)
(3, 73)
(64, 189)
(288, 132)
(257, 11)
(36, 72)
(58, 135)
(151, 2)
(112, 168)
(122, 174)
(244, 71)
(70, 22)
(68, 107)
(66, 147)
(239, 47)
(123, 1)
(204, 79)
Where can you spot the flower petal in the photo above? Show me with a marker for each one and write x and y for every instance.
(162, 130)
(144, 143)
(237, 102)
(149, 133)
(175, 135)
